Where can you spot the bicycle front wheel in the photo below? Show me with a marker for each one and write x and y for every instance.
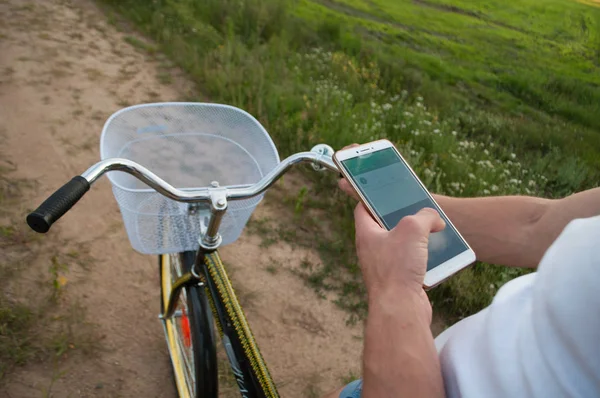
(189, 332)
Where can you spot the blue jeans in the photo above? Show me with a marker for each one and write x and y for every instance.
(352, 390)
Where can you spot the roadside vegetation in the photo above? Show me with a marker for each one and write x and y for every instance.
(482, 99)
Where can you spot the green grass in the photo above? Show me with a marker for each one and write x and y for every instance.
(482, 99)
(139, 44)
(540, 61)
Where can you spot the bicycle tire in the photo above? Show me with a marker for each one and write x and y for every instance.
(247, 363)
(190, 332)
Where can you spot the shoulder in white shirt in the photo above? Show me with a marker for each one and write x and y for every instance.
(540, 337)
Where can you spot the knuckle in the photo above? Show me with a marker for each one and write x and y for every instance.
(410, 223)
(429, 210)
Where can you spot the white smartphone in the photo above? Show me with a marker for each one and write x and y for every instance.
(390, 190)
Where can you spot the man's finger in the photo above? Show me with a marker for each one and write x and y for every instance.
(343, 183)
(431, 219)
(424, 222)
(346, 187)
(364, 223)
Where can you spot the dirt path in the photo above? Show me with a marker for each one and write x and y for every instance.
(63, 71)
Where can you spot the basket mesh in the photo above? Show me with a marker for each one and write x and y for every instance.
(189, 145)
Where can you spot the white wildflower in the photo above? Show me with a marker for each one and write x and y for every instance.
(531, 183)
(486, 192)
(408, 114)
(512, 155)
(436, 131)
(494, 188)
(486, 151)
(454, 133)
(472, 176)
(387, 107)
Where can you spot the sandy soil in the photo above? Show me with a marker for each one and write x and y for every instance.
(63, 71)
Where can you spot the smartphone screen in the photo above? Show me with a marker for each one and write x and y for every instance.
(393, 192)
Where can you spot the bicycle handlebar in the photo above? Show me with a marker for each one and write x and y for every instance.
(65, 197)
(57, 204)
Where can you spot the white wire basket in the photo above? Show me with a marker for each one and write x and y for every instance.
(189, 145)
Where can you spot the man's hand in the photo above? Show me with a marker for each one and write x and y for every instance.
(399, 357)
(396, 259)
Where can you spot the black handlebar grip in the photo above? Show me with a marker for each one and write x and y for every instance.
(58, 204)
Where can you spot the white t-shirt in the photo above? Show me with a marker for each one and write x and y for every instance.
(540, 337)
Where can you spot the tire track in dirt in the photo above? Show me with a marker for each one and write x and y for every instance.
(63, 71)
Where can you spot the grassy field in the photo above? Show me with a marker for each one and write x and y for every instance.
(483, 99)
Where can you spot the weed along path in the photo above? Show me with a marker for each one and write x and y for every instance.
(82, 304)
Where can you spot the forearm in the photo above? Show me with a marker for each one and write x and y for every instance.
(501, 230)
(516, 230)
(400, 359)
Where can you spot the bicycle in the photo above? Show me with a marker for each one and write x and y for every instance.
(185, 226)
